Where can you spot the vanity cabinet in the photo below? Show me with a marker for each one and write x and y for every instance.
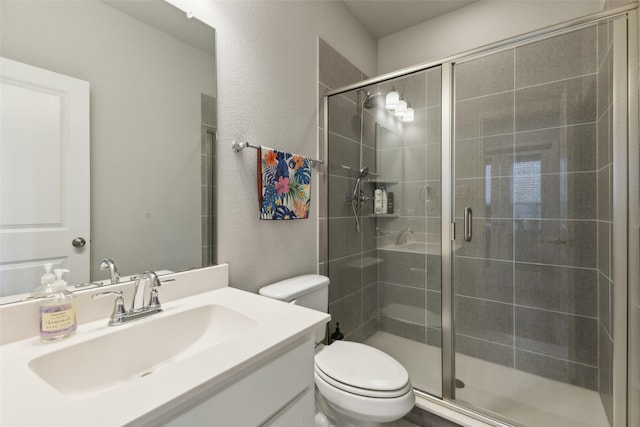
(300, 412)
(277, 391)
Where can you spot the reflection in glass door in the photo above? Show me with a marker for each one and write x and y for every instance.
(408, 165)
(385, 263)
(532, 190)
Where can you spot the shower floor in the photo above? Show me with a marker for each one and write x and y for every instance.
(519, 396)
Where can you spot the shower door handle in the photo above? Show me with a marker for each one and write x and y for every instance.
(468, 228)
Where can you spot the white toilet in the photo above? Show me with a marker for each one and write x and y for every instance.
(358, 385)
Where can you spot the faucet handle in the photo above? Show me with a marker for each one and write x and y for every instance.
(104, 294)
(119, 311)
(154, 303)
(153, 277)
(154, 283)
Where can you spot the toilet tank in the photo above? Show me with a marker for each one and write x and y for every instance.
(308, 290)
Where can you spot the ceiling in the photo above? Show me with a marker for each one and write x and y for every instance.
(384, 17)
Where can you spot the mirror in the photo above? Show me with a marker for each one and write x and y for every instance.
(152, 113)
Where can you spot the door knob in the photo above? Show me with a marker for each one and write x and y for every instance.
(78, 242)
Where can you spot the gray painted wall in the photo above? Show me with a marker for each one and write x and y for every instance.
(479, 24)
(267, 94)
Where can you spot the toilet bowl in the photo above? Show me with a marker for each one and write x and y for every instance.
(356, 385)
(362, 385)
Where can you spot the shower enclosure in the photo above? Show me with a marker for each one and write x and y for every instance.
(493, 278)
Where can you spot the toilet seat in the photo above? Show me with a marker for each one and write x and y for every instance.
(361, 391)
(362, 370)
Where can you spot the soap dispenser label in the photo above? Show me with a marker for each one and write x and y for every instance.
(57, 320)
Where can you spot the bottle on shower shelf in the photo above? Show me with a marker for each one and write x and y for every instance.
(377, 201)
(384, 200)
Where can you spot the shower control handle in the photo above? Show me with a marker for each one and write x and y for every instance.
(468, 228)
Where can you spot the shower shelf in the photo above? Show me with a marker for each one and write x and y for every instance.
(383, 215)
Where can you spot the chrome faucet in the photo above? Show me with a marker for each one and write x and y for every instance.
(402, 237)
(108, 263)
(139, 307)
(138, 303)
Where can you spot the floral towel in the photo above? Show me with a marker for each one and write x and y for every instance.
(284, 184)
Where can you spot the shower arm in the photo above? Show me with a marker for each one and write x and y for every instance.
(349, 168)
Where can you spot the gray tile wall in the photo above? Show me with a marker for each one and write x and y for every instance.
(527, 288)
(533, 159)
(348, 258)
(208, 183)
(409, 283)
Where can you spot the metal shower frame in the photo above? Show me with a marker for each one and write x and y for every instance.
(626, 204)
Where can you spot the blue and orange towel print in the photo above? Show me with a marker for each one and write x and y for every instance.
(284, 184)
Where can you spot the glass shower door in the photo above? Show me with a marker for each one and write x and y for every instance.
(532, 206)
(408, 164)
(385, 264)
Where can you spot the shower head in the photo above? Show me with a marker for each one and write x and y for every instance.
(363, 172)
(370, 99)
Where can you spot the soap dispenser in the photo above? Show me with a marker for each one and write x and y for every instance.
(45, 282)
(58, 311)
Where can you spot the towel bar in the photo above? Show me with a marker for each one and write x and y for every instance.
(239, 146)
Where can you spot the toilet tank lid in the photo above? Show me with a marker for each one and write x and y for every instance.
(292, 288)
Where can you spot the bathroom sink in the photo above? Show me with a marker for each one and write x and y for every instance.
(133, 351)
(208, 338)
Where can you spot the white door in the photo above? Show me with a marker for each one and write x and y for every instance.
(44, 175)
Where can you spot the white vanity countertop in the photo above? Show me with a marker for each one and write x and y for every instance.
(27, 400)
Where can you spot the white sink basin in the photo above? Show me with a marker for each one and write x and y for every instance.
(139, 349)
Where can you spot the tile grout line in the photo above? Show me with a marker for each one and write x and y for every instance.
(519, 132)
(527, 351)
(529, 263)
(516, 89)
